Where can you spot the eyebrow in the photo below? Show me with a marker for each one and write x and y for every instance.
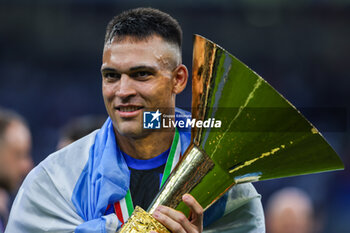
(135, 68)
(143, 68)
(107, 69)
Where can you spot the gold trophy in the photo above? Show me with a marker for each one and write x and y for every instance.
(261, 136)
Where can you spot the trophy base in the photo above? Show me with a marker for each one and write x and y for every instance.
(141, 221)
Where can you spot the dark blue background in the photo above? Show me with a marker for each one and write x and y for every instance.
(50, 58)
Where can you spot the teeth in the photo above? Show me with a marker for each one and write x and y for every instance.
(129, 109)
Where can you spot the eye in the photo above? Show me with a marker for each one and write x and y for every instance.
(111, 76)
(141, 74)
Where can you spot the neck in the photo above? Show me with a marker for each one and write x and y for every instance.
(146, 147)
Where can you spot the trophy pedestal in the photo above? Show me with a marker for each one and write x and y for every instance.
(141, 221)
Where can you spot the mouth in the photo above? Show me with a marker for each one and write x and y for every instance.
(128, 111)
(128, 108)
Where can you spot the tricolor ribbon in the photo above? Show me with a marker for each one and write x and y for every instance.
(124, 208)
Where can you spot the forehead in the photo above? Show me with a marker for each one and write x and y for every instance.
(129, 52)
(17, 134)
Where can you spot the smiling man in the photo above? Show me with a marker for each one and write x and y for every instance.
(148, 77)
(93, 184)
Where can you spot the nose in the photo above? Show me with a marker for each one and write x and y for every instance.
(126, 87)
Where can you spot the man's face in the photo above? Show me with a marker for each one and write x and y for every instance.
(15, 159)
(137, 76)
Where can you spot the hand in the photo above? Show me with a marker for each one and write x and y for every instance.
(177, 222)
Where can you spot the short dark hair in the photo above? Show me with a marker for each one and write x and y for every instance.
(141, 23)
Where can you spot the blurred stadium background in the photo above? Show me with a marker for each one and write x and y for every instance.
(50, 58)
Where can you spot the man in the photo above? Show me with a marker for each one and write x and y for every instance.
(93, 184)
(15, 160)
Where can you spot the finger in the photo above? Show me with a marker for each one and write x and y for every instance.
(196, 209)
(174, 220)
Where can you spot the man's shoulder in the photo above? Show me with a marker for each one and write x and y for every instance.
(47, 191)
(239, 210)
(63, 167)
(240, 195)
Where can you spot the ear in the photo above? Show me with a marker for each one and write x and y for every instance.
(180, 76)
